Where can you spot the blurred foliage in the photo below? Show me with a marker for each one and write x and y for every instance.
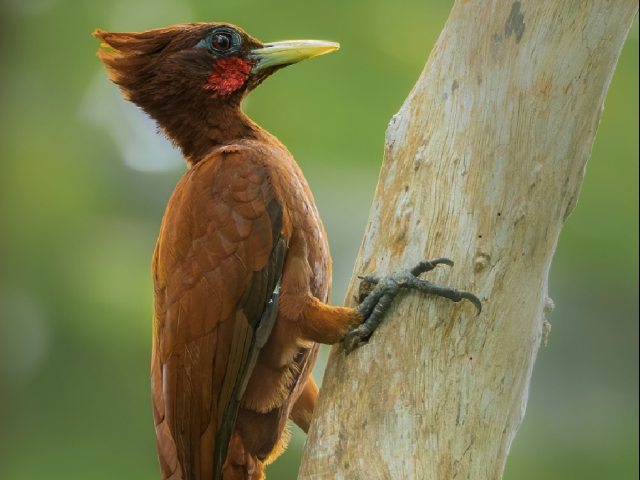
(84, 181)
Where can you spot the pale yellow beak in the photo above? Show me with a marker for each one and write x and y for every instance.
(287, 53)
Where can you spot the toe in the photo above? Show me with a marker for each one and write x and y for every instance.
(473, 299)
(352, 340)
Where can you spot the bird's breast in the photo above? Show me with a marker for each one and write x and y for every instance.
(307, 237)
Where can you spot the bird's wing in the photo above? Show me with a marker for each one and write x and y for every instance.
(217, 268)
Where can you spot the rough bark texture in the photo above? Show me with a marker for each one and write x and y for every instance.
(483, 164)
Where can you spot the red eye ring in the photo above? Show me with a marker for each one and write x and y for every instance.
(222, 41)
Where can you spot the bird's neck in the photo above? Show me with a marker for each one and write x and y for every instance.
(198, 131)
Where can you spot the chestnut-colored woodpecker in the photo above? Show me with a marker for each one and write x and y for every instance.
(241, 270)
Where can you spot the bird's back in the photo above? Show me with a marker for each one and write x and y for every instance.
(238, 223)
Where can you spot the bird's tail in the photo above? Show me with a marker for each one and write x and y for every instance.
(240, 464)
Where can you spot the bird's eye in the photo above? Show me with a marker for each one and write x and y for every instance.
(222, 41)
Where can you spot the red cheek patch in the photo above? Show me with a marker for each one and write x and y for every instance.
(229, 74)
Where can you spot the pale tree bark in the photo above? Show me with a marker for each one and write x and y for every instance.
(483, 164)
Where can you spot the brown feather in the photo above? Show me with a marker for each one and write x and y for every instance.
(208, 312)
(231, 357)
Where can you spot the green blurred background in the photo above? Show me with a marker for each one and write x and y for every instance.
(84, 180)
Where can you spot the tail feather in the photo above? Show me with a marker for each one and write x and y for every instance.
(240, 464)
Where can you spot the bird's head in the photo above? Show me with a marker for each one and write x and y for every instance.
(194, 76)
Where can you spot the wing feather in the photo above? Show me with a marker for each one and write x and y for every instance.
(217, 267)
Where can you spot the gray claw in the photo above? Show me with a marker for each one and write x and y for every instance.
(428, 265)
(353, 340)
(370, 278)
(443, 261)
(375, 300)
(473, 299)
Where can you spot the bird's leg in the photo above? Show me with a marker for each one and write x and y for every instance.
(322, 323)
(303, 408)
(377, 302)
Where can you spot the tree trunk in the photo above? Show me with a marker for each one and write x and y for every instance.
(483, 164)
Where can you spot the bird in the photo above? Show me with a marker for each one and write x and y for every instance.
(241, 268)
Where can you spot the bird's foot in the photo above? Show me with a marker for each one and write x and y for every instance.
(378, 300)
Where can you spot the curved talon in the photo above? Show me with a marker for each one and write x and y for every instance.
(443, 261)
(379, 298)
(428, 265)
(473, 299)
(370, 278)
(352, 340)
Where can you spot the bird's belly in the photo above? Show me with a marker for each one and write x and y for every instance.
(306, 274)
(278, 367)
